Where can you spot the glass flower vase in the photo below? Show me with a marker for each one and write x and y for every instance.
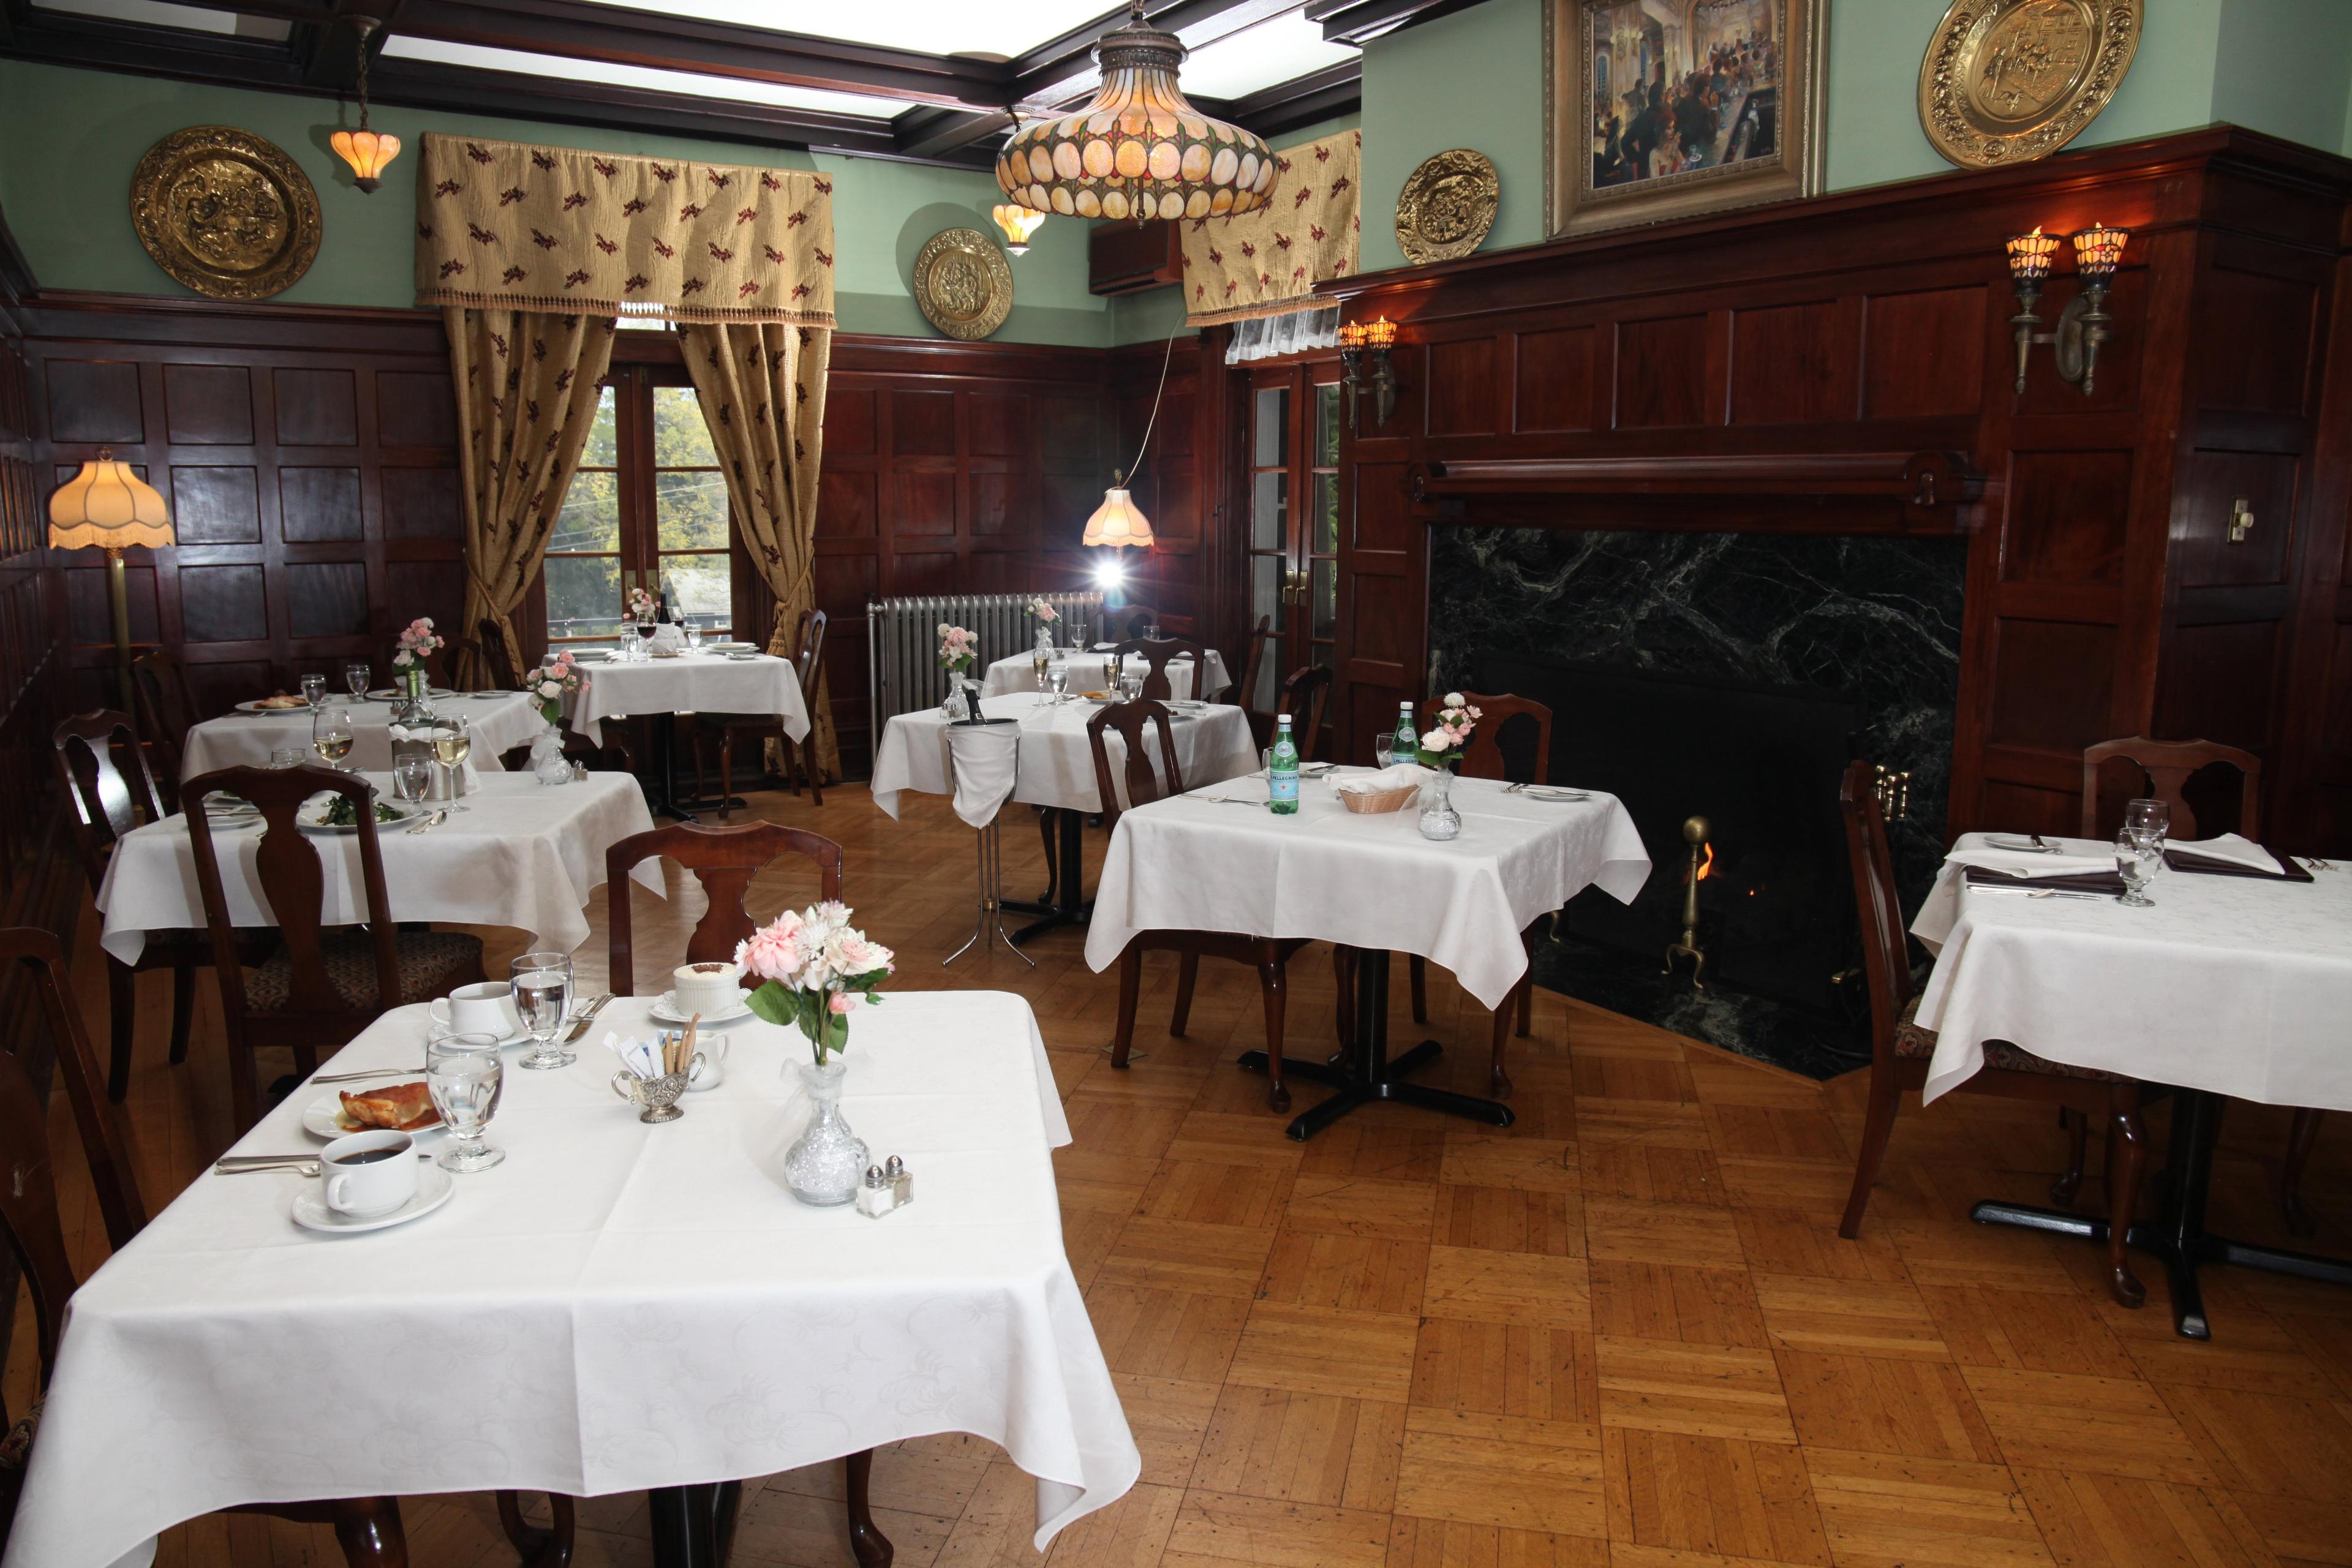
(827, 1160)
(1439, 820)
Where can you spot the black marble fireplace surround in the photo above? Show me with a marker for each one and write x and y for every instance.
(1731, 676)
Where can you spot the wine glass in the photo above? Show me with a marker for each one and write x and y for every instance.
(542, 993)
(332, 733)
(453, 742)
(2138, 853)
(314, 690)
(355, 676)
(465, 1075)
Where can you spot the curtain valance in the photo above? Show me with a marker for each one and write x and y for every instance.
(1267, 263)
(508, 226)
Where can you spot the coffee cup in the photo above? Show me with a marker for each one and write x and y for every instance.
(486, 1007)
(711, 1050)
(713, 990)
(368, 1174)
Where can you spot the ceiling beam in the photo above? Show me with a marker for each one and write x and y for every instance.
(330, 52)
(1359, 21)
(1302, 100)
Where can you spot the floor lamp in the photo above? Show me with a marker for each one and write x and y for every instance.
(108, 506)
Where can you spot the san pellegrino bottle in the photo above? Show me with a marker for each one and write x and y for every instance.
(1407, 736)
(1282, 771)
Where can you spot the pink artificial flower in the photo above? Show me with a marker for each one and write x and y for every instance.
(772, 952)
(844, 1002)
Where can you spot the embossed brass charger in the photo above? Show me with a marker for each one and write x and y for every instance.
(962, 283)
(225, 212)
(1447, 206)
(2006, 81)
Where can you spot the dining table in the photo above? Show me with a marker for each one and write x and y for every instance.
(686, 681)
(1091, 671)
(519, 854)
(1056, 771)
(246, 737)
(615, 1307)
(2228, 987)
(1216, 859)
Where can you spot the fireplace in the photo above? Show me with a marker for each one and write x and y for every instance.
(1730, 676)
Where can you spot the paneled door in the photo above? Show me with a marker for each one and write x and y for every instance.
(1293, 447)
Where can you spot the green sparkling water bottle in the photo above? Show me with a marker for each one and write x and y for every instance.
(1408, 737)
(1282, 771)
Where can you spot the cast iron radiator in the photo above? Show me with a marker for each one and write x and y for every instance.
(902, 641)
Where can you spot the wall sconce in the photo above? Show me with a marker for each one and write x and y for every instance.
(2083, 324)
(1356, 340)
(1018, 224)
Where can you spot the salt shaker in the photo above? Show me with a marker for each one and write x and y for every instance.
(901, 1180)
(579, 772)
(875, 1196)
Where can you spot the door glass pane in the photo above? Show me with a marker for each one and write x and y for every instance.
(681, 437)
(702, 586)
(1270, 444)
(1266, 588)
(1323, 593)
(1327, 426)
(584, 595)
(604, 438)
(690, 510)
(591, 518)
(1326, 515)
(1269, 501)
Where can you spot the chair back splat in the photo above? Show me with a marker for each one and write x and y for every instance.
(1503, 722)
(1143, 786)
(2170, 768)
(724, 860)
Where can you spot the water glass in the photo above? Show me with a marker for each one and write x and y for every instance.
(286, 757)
(1057, 674)
(1383, 750)
(1152, 631)
(2137, 855)
(543, 994)
(1131, 685)
(314, 690)
(693, 629)
(465, 1075)
(412, 775)
(2150, 816)
(332, 733)
(355, 676)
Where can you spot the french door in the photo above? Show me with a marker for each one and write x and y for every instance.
(1292, 471)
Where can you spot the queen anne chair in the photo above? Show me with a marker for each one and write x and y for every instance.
(799, 757)
(1900, 1050)
(1158, 655)
(724, 860)
(167, 711)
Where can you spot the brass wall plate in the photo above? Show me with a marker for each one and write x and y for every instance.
(225, 212)
(2008, 82)
(962, 283)
(1447, 206)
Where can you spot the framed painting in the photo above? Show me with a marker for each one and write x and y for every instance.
(1657, 110)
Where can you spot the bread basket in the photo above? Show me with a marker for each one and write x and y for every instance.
(1367, 803)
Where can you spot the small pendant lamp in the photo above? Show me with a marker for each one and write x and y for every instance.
(368, 152)
(1119, 522)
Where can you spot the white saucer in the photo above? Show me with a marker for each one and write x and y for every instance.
(255, 707)
(318, 1120)
(665, 1010)
(434, 1186)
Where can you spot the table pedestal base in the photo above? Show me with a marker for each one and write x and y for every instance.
(2178, 1237)
(1372, 1076)
(694, 1527)
(1066, 904)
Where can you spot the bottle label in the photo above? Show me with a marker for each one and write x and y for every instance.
(1283, 785)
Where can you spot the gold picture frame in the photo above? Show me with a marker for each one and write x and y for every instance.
(1646, 123)
(963, 285)
(225, 213)
(2008, 82)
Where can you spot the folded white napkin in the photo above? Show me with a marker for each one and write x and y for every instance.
(985, 761)
(2232, 849)
(669, 636)
(2027, 863)
(1399, 777)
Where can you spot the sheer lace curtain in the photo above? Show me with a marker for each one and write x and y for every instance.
(1269, 337)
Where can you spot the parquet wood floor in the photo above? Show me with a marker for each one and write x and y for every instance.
(1624, 1334)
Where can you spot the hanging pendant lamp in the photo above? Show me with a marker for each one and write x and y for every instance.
(1139, 150)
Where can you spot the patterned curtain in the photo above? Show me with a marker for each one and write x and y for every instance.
(1267, 262)
(528, 383)
(762, 386)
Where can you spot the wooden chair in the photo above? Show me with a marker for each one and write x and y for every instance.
(724, 860)
(1900, 1049)
(1245, 694)
(490, 642)
(106, 799)
(607, 756)
(1158, 655)
(1484, 758)
(368, 1527)
(321, 986)
(167, 711)
(1307, 697)
(1268, 956)
(2165, 768)
(1128, 622)
(799, 757)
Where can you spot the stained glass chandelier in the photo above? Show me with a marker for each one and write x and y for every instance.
(1139, 150)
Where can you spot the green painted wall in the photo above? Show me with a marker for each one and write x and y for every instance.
(70, 138)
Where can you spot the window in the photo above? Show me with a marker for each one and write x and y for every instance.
(648, 508)
(1294, 452)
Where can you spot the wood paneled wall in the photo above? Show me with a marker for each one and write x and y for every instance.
(2104, 596)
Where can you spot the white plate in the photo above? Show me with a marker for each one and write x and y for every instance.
(306, 817)
(2018, 843)
(393, 694)
(434, 1186)
(665, 1010)
(319, 1119)
(255, 707)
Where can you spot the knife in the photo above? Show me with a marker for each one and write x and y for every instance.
(585, 1018)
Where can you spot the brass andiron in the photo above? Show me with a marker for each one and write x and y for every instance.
(1893, 792)
(1702, 861)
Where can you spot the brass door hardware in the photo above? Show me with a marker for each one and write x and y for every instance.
(2241, 518)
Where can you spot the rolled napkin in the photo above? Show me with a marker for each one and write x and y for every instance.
(1399, 775)
(2229, 849)
(2029, 863)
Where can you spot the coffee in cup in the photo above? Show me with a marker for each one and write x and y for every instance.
(713, 990)
(486, 1007)
(368, 1174)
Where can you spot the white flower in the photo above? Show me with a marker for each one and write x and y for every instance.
(1453, 699)
(549, 689)
(1436, 741)
(400, 657)
(945, 628)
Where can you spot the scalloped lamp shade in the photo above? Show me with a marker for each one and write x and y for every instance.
(368, 152)
(108, 506)
(1117, 522)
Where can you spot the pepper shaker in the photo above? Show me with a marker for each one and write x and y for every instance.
(901, 1180)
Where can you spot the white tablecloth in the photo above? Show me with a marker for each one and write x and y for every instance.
(1090, 672)
(246, 740)
(523, 856)
(2229, 984)
(690, 683)
(1058, 765)
(615, 1307)
(1370, 882)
